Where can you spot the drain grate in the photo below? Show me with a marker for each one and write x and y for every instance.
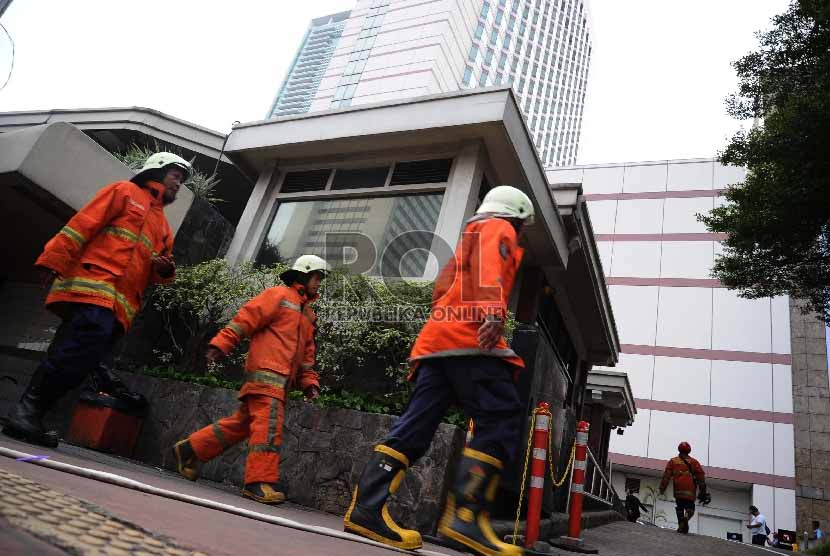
(74, 525)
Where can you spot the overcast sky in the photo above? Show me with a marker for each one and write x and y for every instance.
(659, 75)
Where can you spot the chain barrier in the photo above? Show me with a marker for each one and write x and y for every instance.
(556, 484)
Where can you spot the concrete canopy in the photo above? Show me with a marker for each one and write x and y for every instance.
(48, 172)
(116, 129)
(612, 390)
(584, 276)
(490, 116)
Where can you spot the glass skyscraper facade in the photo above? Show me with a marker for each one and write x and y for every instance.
(312, 59)
(543, 49)
(385, 50)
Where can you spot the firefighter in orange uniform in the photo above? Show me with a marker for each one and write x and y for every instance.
(460, 355)
(100, 263)
(688, 480)
(280, 324)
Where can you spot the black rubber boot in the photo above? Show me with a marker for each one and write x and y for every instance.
(104, 380)
(26, 419)
(368, 515)
(466, 518)
(683, 522)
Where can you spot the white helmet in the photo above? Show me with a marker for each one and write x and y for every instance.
(507, 202)
(162, 160)
(305, 264)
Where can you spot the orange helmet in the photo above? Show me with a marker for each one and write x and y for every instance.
(684, 448)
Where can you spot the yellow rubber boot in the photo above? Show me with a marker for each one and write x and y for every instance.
(264, 493)
(466, 518)
(368, 515)
(187, 464)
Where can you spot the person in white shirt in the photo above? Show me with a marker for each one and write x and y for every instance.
(757, 526)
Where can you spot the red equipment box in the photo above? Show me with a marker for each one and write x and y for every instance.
(101, 423)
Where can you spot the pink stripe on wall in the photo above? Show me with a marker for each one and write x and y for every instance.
(691, 193)
(749, 477)
(716, 411)
(401, 74)
(704, 236)
(711, 354)
(665, 282)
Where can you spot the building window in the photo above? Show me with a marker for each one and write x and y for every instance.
(468, 75)
(483, 79)
(359, 178)
(479, 30)
(400, 228)
(494, 36)
(488, 58)
(485, 9)
(473, 53)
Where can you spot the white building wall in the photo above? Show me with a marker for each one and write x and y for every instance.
(705, 366)
(726, 513)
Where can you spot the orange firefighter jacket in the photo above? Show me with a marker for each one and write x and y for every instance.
(280, 324)
(683, 480)
(475, 284)
(104, 254)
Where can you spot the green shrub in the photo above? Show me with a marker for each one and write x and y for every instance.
(821, 550)
(362, 361)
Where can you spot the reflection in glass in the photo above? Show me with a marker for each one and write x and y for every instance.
(311, 227)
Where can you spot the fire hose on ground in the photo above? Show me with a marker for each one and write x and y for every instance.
(124, 482)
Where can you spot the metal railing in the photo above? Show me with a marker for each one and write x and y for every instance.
(597, 485)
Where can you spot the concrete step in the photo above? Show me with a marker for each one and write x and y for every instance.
(557, 523)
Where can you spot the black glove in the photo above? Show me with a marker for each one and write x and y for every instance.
(704, 497)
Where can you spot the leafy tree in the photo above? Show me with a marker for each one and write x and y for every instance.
(778, 219)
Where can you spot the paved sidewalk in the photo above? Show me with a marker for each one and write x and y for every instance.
(185, 526)
(42, 503)
(634, 539)
(74, 525)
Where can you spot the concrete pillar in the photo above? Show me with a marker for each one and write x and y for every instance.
(459, 203)
(811, 407)
(255, 217)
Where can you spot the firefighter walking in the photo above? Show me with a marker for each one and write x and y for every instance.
(688, 481)
(460, 355)
(280, 325)
(99, 264)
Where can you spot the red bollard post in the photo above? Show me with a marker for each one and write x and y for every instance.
(541, 430)
(580, 465)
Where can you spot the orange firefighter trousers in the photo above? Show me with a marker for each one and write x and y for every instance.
(259, 419)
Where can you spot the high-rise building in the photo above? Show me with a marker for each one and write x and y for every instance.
(394, 49)
(705, 365)
(310, 62)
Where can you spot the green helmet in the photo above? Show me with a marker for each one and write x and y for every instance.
(305, 264)
(162, 160)
(507, 202)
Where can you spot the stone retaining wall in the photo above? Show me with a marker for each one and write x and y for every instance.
(323, 449)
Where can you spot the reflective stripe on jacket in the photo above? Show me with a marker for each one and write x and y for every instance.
(104, 254)
(474, 284)
(682, 481)
(280, 324)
